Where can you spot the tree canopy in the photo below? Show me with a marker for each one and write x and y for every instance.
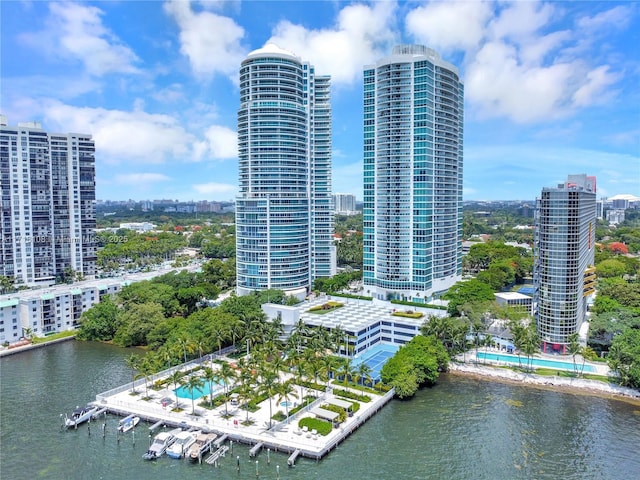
(417, 363)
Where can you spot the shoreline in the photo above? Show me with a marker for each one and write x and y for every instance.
(5, 352)
(578, 386)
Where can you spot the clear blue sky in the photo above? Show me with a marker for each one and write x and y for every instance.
(551, 88)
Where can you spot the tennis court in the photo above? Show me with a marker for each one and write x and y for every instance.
(375, 357)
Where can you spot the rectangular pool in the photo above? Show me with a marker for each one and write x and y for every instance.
(208, 387)
(536, 362)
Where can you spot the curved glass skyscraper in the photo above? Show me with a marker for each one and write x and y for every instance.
(284, 220)
(413, 131)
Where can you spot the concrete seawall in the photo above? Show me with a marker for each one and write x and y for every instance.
(5, 352)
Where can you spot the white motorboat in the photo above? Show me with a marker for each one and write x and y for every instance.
(127, 423)
(200, 446)
(80, 415)
(161, 442)
(183, 441)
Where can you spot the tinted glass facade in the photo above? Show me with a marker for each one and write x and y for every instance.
(564, 256)
(413, 158)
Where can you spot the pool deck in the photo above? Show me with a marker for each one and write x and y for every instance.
(281, 437)
(465, 364)
(470, 356)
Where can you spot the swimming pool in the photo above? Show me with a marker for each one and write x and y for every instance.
(183, 391)
(536, 362)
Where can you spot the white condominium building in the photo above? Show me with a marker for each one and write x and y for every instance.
(47, 214)
(284, 220)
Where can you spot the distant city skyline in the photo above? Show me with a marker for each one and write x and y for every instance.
(550, 87)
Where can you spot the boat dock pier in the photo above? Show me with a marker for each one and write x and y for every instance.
(258, 432)
(215, 456)
(255, 449)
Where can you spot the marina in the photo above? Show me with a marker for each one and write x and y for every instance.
(228, 423)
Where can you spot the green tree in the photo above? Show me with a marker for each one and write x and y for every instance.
(417, 363)
(574, 348)
(194, 383)
(177, 379)
(133, 362)
(100, 322)
(284, 391)
(136, 322)
(610, 268)
(624, 357)
(227, 375)
(466, 292)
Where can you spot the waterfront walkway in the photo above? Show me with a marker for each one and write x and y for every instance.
(282, 436)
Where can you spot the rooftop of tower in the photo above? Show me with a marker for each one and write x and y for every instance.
(400, 53)
(273, 50)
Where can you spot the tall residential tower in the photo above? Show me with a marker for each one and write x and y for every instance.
(564, 272)
(284, 221)
(47, 214)
(413, 131)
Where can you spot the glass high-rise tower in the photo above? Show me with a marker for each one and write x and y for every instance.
(413, 155)
(284, 220)
(564, 271)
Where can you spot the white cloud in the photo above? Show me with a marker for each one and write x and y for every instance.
(223, 142)
(591, 91)
(500, 85)
(170, 94)
(212, 42)
(76, 31)
(361, 35)
(213, 188)
(140, 179)
(449, 26)
(123, 136)
(521, 20)
(617, 17)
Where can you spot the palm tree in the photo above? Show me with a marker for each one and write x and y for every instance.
(574, 349)
(146, 370)
(284, 390)
(337, 337)
(133, 362)
(269, 386)
(245, 389)
(194, 382)
(185, 345)
(177, 379)
(296, 362)
(210, 376)
(488, 342)
(519, 333)
(226, 374)
(346, 369)
(329, 364)
(364, 372)
(199, 346)
(531, 343)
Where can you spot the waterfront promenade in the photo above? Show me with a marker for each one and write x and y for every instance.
(160, 406)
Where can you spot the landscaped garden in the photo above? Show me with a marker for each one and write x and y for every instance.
(326, 307)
